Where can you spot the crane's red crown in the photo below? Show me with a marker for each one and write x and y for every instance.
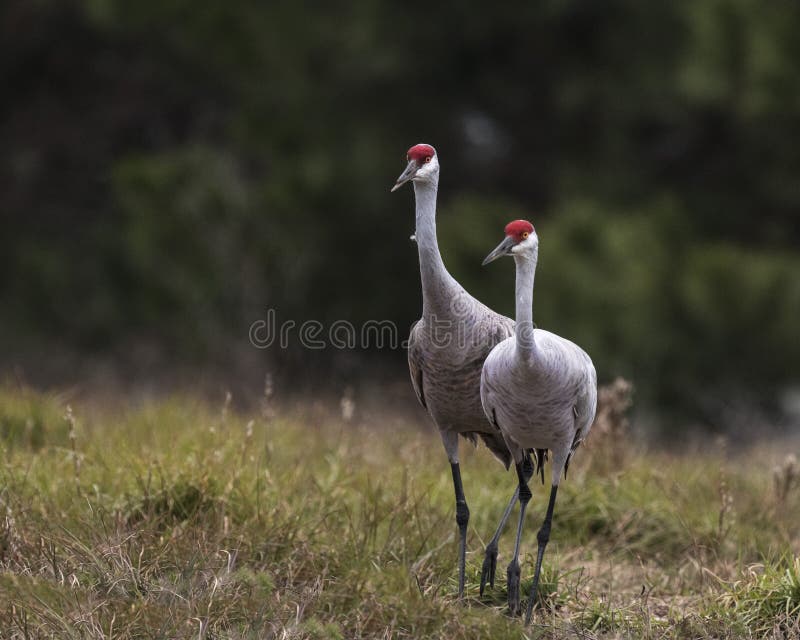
(420, 153)
(519, 229)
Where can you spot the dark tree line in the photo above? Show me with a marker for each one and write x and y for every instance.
(172, 169)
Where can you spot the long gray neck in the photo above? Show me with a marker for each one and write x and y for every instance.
(526, 270)
(436, 281)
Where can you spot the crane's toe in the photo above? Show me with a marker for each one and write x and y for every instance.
(513, 588)
(489, 566)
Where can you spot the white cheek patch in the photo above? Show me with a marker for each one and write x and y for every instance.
(427, 168)
(525, 245)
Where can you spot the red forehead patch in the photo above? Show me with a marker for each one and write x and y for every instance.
(421, 151)
(517, 228)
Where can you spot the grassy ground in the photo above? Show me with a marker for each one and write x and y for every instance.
(179, 520)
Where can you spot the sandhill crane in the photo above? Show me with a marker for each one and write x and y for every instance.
(447, 347)
(540, 390)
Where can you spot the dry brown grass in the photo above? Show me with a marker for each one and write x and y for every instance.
(179, 520)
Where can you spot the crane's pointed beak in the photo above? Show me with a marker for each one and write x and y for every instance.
(502, 249)
(408, 174)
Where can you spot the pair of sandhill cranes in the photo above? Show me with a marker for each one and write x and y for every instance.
(523, 391)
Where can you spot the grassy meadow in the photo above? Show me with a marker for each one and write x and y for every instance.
(181, 519)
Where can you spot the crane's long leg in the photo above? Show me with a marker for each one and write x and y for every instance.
(450, 441)
(462, 520)
(513, 567)
(490, 557)
(542, 537)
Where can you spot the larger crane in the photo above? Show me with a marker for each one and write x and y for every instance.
(540, 390)
(447, 348)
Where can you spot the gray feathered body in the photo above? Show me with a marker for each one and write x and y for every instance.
(548, 402)
(445, 358)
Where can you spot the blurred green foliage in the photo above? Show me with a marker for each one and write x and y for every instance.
(171, 170)
(29, 421)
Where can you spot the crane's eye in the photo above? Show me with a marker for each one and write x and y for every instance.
(427, 159)
(525, 235)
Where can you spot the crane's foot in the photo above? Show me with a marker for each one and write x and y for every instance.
(513, 588)
(529, 612)
(489, 566)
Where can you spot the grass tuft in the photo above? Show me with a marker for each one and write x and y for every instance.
(767, 596)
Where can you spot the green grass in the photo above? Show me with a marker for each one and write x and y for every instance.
(181, 520)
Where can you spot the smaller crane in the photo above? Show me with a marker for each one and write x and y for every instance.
(540, 390)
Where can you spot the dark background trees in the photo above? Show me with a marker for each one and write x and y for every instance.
(170, 170)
